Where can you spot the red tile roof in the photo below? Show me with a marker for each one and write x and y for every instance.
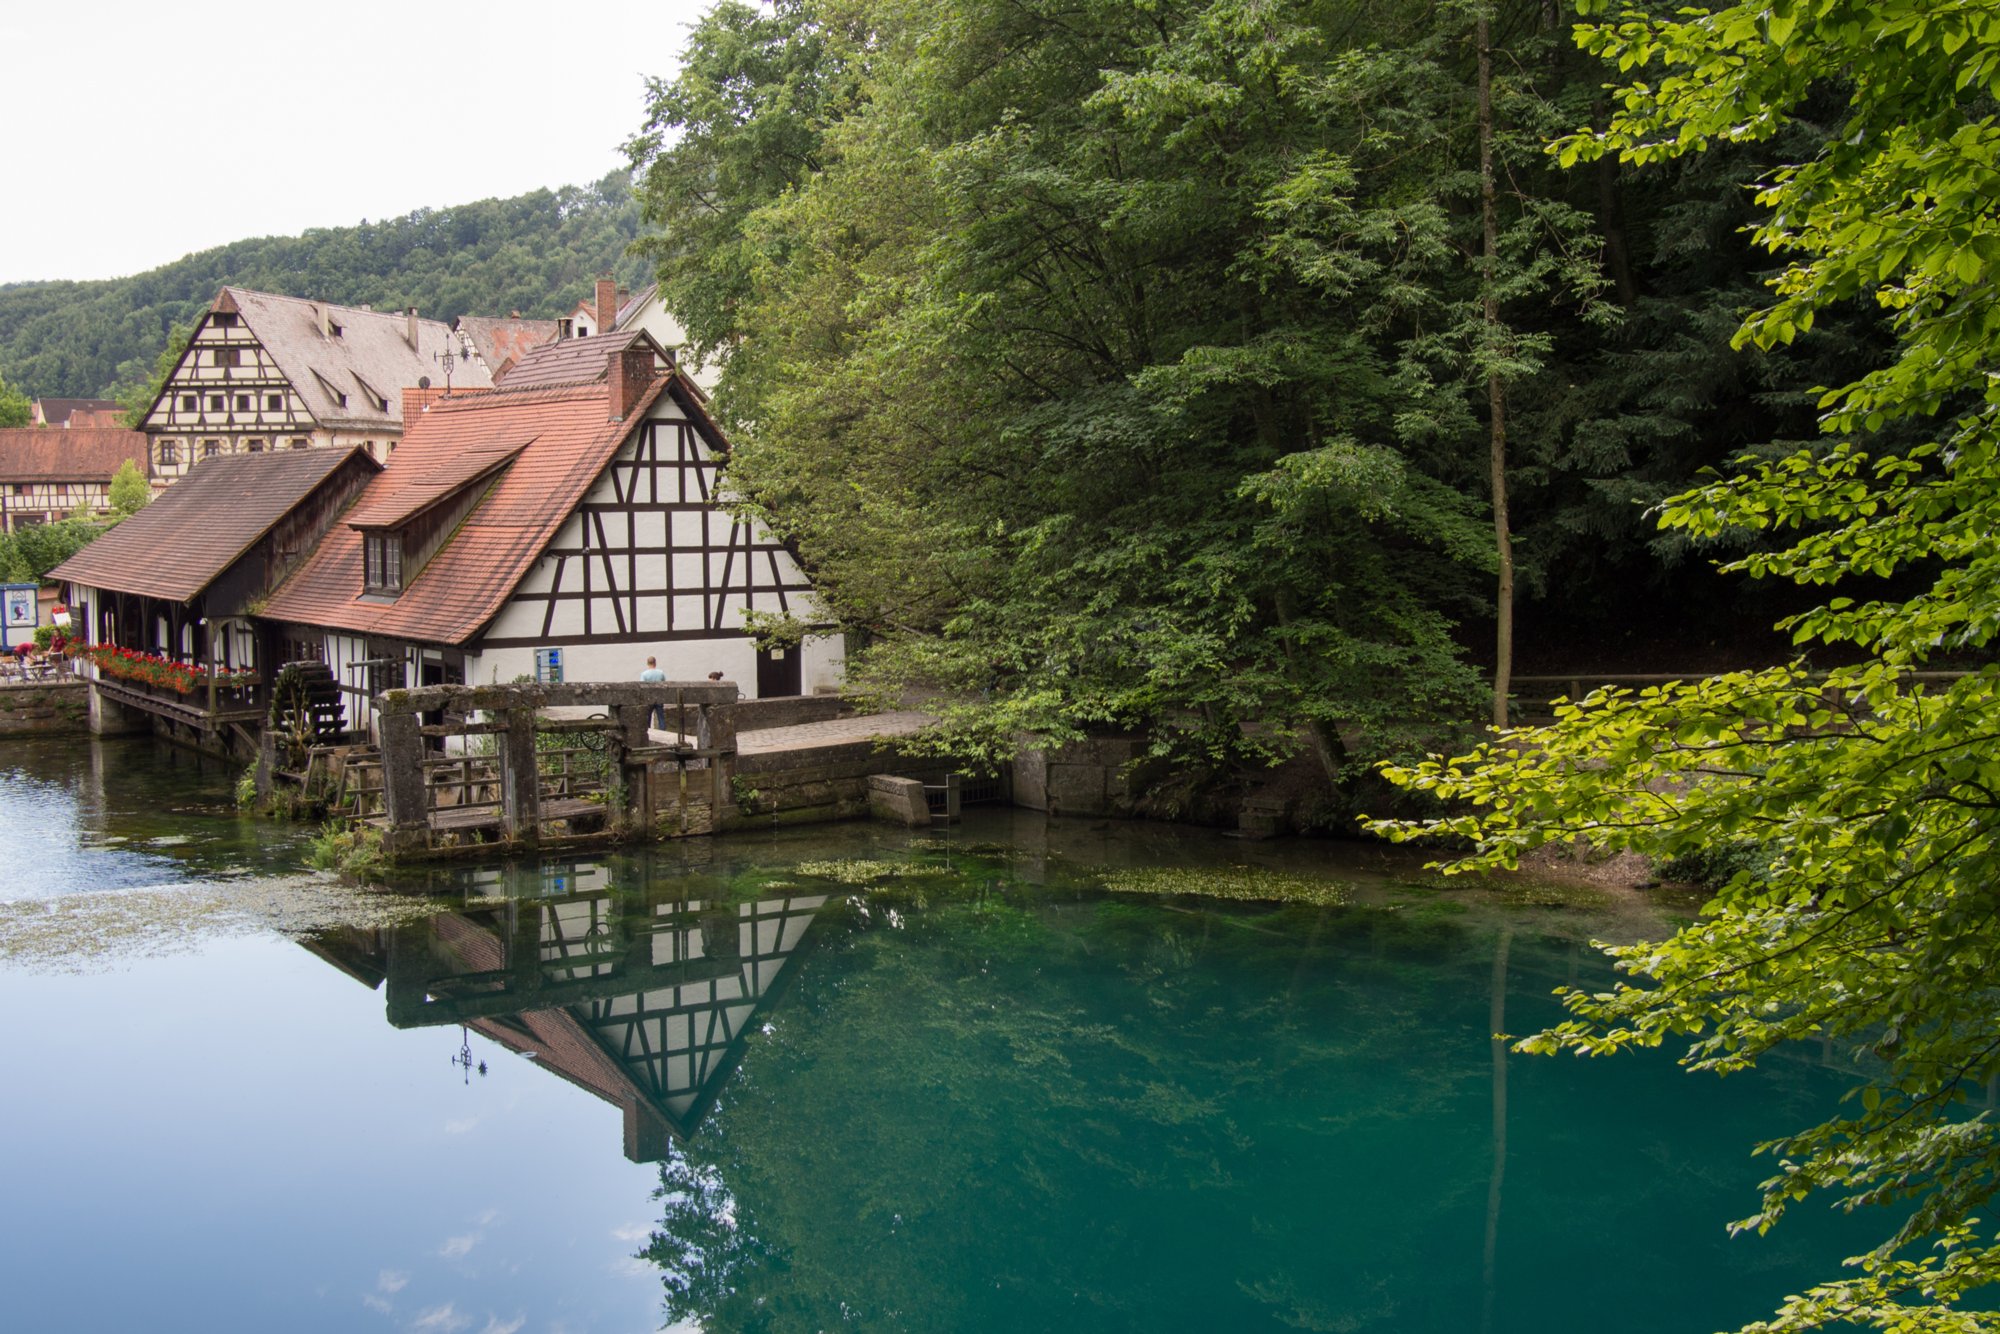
(570, 439)
(201, 525)
(571, 361)
(81, 454)
(445, 476)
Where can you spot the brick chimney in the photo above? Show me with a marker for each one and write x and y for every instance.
(412, 334)
(629, 375)
(607, 306)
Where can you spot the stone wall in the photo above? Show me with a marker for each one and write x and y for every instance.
(760, 715)
(41, 707)
(812, 786)
(1095, 776)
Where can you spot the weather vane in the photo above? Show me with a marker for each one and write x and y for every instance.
(448, 359)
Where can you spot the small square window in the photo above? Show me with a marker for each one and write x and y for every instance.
(243, 402)
(190, 402)
(225, 320)
(229, 356)
(215, 402)
(210, 448)
(298, 442)
(256, 446)
(170, 454)
(274, 402)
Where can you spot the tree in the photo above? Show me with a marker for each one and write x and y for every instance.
(32, 551)
(138, 398)
(536, 253)
(1119, 366)
(1860, 802)
(741, 123)
(130, 491)
(14, 405)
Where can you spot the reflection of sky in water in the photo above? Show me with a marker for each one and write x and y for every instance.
(78, 814)
(247, 1145)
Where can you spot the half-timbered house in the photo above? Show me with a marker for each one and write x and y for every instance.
(48, 474)
(264, 373)
(75, 412)
(564, 526)
(645, 999)
(501, 344)
(183, 577)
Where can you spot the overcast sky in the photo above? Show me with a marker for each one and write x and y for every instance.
(138, 132)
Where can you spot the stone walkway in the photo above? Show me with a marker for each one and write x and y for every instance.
(835, 732)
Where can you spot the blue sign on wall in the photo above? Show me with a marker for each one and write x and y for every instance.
(548, 666)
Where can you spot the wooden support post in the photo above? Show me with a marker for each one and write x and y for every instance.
(267, 761)
(520, 785)
(632, 734)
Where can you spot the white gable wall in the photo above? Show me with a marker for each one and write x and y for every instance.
(648, 565)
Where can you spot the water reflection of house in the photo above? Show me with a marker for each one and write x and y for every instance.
(643, 1000)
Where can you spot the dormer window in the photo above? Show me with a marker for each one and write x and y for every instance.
(403, 527)
(370, 395)
(333, 391)
(383, 553)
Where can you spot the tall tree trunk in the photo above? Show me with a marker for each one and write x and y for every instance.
(1496, 391)
(1496, 1023)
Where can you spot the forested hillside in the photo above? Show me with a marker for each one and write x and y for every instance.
(1198, 366)
(536, 253)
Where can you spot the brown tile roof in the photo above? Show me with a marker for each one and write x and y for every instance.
(370, 356)
(630, 306)
(570, 439)
(57, 411)
(81, 454)
(571, 361)
(201, 525)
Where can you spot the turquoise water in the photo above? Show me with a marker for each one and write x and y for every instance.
(833, 1079)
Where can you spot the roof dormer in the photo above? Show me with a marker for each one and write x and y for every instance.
(405, 525)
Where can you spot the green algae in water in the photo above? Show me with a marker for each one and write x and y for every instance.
(89, 932)
(1253, 884)
(1547, 894)
(858, 871)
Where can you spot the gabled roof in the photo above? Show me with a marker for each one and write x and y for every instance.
(569, 439)
(368, 361)
(80, 454)
(500, 342)
(571, 361)
(204, 523)
(56, 411)
(630, 306)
